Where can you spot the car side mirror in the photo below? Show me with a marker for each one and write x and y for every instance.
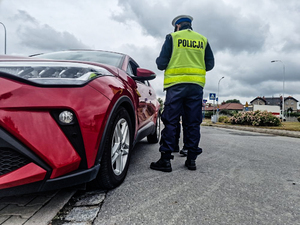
(144, 74)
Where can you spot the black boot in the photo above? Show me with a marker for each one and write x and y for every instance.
(163, 164)
(190, 164)
(183, 152)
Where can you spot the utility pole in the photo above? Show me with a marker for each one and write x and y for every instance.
(4, 37)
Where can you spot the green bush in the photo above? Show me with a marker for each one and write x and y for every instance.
(298, 118)
(223, 119)
(256, 118)
(294, 114)
(228, 112)
(208, 114)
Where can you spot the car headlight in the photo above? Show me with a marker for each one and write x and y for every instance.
(53, 73)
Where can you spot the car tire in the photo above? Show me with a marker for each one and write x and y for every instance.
(154, 138)
(117, 150)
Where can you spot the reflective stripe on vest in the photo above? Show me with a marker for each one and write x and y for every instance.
(185, 71)
(187, 63)
(195, 79)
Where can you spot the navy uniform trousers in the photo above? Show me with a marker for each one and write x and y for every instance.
(186, 98)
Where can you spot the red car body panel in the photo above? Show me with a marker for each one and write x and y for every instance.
(26, 114)
(47, 144)
(27, 174)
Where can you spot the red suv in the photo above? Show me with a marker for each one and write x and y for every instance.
(72, 117)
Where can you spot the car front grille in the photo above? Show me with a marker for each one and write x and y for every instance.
(11, 160)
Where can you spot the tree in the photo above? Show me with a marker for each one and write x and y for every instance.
(290, 110)
(233, 101)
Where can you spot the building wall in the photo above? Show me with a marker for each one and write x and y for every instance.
(258, 102)
(290, 103)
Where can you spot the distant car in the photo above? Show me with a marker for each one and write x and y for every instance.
(72, 117)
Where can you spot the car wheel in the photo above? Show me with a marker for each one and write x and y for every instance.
(117, 151)
(154, 138)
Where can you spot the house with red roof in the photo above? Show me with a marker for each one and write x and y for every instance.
(225, 106)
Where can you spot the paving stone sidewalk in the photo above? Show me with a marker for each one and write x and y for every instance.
(33, 209)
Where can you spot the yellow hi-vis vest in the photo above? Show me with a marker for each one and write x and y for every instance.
(187, 63)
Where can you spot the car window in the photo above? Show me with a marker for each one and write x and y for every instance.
(129, 70)
(110, 58)
(133, 66)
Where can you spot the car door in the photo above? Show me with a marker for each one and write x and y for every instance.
(146, 107)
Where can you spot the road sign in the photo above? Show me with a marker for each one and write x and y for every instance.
(212, 96)
(204, 101)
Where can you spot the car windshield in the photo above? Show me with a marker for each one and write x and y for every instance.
(110, 58)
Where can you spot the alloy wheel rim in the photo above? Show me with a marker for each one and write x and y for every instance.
(120, 146)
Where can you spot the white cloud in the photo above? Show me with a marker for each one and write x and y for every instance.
(244, 35)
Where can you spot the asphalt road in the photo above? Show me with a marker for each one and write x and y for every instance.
(241, 178)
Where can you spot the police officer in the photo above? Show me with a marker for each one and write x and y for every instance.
(185, 56)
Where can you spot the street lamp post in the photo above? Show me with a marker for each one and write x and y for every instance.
(4, 37)
(283, 86)
(218, 98)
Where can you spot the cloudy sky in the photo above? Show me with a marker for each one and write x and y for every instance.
(244, 35)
